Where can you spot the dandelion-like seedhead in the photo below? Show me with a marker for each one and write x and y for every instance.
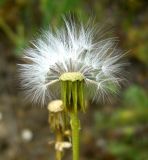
(72, 48)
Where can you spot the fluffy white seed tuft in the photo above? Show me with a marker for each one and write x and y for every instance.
(71, 49)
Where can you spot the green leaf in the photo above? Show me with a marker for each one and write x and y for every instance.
(136, 96)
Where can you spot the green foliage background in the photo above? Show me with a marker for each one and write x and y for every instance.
(120, 129)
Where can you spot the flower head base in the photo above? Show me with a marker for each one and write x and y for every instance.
(72, 91)
(73, 49)
(71, 76)
(72, 94)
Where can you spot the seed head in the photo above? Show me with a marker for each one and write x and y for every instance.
(71, 49)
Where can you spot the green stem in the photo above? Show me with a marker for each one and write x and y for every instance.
(12, 36)
(75, 126)
(58, 139)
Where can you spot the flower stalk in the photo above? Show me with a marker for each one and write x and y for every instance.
(72, 93)
(59, 138)
(75, 126)
(72, 59)
(57, 123)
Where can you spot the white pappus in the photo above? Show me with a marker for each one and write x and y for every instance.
(73, 48)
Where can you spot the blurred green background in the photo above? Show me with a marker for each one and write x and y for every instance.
(111, 131)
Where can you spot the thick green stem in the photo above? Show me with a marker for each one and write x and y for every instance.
(72, 95)
(75, 126)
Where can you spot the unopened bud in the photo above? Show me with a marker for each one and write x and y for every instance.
(60, 146)
(55, 106)
(67, 133)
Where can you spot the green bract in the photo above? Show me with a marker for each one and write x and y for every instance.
(72, 91)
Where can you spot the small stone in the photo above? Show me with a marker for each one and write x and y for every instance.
(27, 135)
(1, 116)
(101, 143)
